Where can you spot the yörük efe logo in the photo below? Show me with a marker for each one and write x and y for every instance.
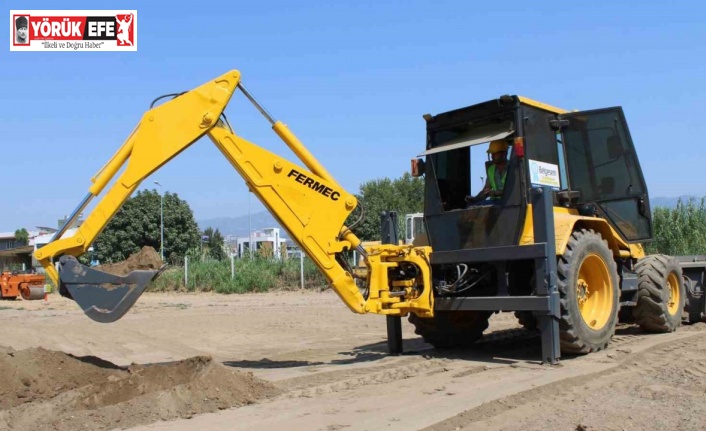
(73, 30)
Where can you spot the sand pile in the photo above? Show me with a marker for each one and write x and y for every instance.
(147, 258)
(48, 390)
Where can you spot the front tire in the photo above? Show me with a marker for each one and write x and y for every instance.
(449, 329)
(661, 294)
(527, 318)
(587, 279)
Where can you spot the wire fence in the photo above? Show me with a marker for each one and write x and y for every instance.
(240, 275)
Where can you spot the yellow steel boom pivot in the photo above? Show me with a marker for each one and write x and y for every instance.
(307, 201)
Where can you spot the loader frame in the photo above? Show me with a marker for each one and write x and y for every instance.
(544, 303)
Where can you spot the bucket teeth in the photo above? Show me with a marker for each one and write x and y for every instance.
(103, 297)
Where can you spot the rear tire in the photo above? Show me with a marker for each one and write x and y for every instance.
(625, 315)
(587, 279)
(449, 329)
(660, 295)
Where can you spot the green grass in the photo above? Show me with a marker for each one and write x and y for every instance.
(251, 275)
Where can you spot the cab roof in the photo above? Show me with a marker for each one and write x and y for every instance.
(490, 107)
(540, 105)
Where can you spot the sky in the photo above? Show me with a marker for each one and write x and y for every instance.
(352, 80)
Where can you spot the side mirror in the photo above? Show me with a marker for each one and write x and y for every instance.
(418, 166)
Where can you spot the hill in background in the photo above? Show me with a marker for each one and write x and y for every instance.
(239, 226)
(671, 202)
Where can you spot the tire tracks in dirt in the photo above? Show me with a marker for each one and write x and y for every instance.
(682, 358)
(517, 342)
(499, 380)
(338, 381)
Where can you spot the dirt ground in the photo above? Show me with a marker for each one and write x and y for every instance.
(302, 361)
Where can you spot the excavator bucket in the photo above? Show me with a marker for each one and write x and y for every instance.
(103, 297)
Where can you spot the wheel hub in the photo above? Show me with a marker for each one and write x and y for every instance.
(673, 289)
(594, 292)
(581, 292)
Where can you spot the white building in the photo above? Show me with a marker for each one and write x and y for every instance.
(16, 256)
(268, 240)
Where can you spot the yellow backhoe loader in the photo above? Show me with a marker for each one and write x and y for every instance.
(560, 244)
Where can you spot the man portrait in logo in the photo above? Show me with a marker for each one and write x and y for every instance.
(21, 33)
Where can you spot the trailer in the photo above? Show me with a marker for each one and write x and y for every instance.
(694, 272)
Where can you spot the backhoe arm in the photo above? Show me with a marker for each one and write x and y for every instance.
(307, 201)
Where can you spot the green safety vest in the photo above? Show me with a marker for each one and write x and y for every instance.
(493, 186)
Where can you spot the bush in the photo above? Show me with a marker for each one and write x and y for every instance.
(679, 231)
(258, 274)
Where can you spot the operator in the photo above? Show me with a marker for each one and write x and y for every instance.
(497, 172)
(21, 33)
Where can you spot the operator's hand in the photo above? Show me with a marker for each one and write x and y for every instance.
(480, 196)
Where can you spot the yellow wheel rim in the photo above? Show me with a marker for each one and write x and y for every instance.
(594, 292)
(674, 294)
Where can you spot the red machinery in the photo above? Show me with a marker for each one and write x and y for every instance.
(29, 286)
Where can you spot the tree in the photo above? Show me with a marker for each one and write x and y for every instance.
(137, 224)
(22, 236)
(404, 195)
(215, 245)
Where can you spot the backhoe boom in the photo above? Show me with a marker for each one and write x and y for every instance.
(306, 201)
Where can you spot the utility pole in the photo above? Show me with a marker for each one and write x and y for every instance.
(161, 221)
(249, 226)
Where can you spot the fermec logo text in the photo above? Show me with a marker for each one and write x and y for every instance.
(73, 30)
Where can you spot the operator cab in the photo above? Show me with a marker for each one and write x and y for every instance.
(587, 157)
(455, 168)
